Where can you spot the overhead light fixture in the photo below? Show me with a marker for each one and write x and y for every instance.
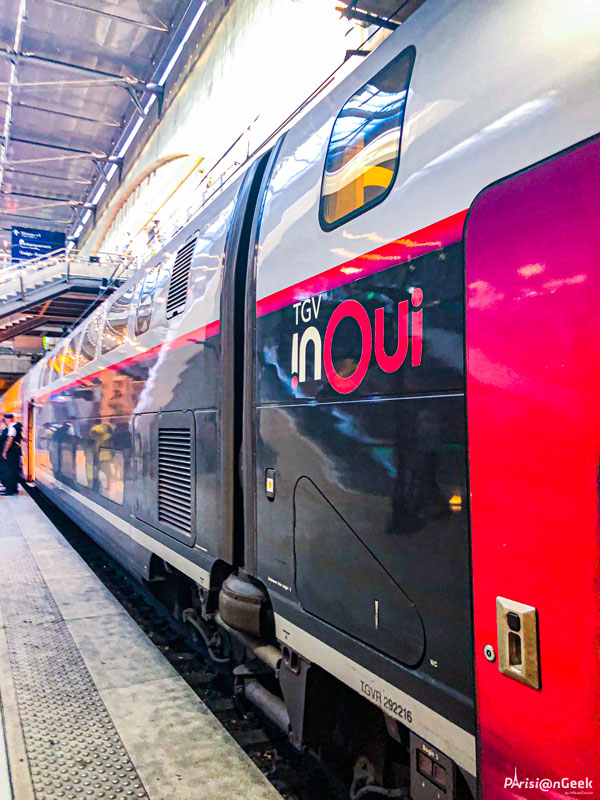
(149, 104)
(177, 53)
(129, 140)
(99, 194)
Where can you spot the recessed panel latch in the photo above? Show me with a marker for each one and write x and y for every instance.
(518, 646)
(270, 484)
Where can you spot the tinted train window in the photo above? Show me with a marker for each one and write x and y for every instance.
(89, 341)
(52, 373)
(111, 474)
(84, 465)
(45, 373)
(115, 329)
(69, 356)
(143, 315)
(65, 455)
(58, 362)
(364, 148)
(77, 340)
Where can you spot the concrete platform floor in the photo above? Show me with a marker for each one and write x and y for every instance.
(89, 707)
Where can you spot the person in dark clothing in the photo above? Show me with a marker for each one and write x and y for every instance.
(3, 438)
(11, 454)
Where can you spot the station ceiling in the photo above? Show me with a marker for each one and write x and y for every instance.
(76, 76)
(73, 76)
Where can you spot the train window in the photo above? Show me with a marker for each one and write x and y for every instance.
(69, 355)
(115, 330)
(77, 340)
(364, 149)
(51, 374)
(60, 361)
(48, 371)
(44, 373)
(111, 472)
(87, 351)
(65, 455)
(143, 314)
(84, 465)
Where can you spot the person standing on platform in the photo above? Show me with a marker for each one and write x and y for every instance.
(11, 454)
(3, 438)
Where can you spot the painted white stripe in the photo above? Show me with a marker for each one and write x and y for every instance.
(176, 560)
(451, 739)
(5, 788)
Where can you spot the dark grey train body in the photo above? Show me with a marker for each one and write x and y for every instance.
(279, 395)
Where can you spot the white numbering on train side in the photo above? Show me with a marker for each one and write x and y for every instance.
(386, 703)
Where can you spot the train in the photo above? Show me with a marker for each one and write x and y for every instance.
(344, 423)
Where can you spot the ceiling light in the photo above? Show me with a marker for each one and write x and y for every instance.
(149, 104)
(130, 138)
(177, 53)
(98, 194)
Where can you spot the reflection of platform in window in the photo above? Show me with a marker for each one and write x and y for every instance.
(66, 459)
(111, 474)
(42, 449)
(84, 466)
(364, 148)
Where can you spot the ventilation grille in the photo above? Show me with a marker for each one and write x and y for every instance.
(178, 287)
(175, 477)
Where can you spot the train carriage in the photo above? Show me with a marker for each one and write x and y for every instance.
(347, 413)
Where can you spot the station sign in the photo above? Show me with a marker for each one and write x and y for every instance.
(31, 242)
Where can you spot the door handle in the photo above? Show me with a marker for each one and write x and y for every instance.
(518, 643)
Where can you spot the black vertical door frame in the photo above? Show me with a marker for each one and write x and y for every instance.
(249, 374)
(238, 281)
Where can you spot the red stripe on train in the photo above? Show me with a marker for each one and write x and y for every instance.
(419, 243)
(193, 337)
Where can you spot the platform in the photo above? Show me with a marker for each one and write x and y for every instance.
(90, 708)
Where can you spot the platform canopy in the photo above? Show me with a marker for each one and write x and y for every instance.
(76, 77)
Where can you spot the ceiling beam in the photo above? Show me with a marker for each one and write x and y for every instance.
(46, 176)
(41, 197)
(156, 26)
(38, 219)
(14, 55)
(47, 145)
(111, 123)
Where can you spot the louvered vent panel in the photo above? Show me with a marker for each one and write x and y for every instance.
(178, 287)
(175, 477)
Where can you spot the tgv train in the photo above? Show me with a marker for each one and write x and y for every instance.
(347, 419)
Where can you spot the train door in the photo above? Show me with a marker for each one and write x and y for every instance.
(30, 465)
(532, 332)
(360, 455)
(236, 382)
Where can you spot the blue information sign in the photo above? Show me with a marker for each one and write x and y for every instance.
(31, 243)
